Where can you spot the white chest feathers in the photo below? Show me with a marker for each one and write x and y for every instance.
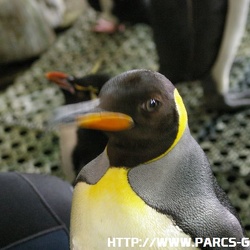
(109, 215)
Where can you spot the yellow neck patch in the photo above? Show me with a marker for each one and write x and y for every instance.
(115, 182)
(183, 120)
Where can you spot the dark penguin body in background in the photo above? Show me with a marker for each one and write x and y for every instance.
(194, 29)
(89, 143)
(198, 40)
(153, 179)
(195, 40)
(129, 11)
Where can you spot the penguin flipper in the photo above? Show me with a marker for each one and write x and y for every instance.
(185, 189)
(223, 198)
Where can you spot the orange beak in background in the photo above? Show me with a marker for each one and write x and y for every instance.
(61, 79)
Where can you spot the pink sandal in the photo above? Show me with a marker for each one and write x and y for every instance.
(106, 26)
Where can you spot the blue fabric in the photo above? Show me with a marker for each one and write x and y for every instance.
(33, 207)
(55, 240)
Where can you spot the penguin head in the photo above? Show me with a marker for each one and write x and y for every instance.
(78, 89)
(142, 114)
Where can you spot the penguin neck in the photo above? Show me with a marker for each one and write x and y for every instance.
(130, 155)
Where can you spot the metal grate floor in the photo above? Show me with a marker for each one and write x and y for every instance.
(25, 107)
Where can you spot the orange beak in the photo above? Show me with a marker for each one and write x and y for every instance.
(106, 121)
(61, 79)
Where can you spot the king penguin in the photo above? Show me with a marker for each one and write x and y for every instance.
(152, 180)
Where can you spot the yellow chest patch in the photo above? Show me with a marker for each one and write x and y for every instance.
(111, 209)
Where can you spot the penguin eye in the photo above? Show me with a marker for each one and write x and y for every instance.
(150, 105)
